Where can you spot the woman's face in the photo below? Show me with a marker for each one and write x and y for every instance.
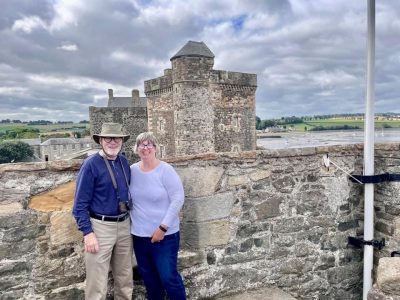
(146, 150)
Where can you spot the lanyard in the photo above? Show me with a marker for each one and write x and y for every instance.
(114, 182)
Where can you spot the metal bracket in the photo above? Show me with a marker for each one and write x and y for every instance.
(394, 253)
(359, 242)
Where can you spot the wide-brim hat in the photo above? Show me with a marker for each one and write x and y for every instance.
(110, 130)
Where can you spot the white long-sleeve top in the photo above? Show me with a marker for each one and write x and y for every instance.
(158, 197)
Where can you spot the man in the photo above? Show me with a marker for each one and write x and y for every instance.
(101, 209)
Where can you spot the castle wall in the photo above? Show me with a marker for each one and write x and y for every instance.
(133, 120)
(250, 219)
(161, 121)
(234, 115)
(194, 118)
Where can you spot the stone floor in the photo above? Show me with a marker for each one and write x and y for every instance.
(260, 294)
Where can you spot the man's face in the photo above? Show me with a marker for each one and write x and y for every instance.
(111, 146)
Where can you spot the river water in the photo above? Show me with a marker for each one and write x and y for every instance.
(325, 138)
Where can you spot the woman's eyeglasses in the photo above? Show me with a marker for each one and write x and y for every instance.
(148, 146)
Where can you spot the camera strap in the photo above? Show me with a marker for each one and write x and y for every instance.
(114, 181)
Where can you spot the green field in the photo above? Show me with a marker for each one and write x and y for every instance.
(341, 122)
(45, 128)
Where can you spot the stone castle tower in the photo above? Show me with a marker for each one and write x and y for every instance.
(191, 109)
(195, 109)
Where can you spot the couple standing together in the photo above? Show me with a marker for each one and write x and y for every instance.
(115, 202)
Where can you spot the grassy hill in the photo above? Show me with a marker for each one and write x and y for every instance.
(43, 130)
(340, 122)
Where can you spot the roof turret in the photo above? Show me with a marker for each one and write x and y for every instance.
(194, 49)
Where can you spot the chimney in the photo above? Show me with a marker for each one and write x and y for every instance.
(110, 97)
(135, 98)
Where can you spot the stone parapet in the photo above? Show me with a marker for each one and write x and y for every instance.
(251, 219)
(234, 79)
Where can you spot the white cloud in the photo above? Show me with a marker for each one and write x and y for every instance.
(68, 47)
(28, 24)
(67, 13)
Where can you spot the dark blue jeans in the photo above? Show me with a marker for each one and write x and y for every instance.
(157, 264)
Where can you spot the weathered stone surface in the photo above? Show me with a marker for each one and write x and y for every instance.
(63, 228)
(60, 198)
(188, 259)
(269, 208)
(208, 208)
(376, 294)
(199, 182)
(10, 209)
(200, 235)
(388, 275)
(259, 175)
(259, 294)
(238, 180)
(74, 291)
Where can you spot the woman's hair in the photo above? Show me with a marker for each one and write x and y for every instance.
(145, 136)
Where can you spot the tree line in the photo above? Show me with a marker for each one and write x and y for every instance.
(40, 122)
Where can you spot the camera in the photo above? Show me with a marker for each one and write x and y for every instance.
(125, 206)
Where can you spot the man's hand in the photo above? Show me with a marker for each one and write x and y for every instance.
(91, 243)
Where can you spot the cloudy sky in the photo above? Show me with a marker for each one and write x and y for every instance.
(58, 57)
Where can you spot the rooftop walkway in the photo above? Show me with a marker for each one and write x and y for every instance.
(259, 294)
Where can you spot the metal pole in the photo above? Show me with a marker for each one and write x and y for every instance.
(369, 153)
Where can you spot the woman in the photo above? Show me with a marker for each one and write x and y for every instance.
(158, 196)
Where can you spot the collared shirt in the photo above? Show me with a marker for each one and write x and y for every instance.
(95, 192)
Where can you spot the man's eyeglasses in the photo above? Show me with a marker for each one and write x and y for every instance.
(148, 146)
(109, 139)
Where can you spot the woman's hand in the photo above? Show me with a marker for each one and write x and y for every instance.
(158, 234)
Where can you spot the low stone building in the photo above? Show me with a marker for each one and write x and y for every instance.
(62, 148)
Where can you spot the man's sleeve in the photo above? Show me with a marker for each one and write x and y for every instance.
(83, 198)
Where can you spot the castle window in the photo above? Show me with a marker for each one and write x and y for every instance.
(235, 121)
(161, 125)
(235, 148)
(162, 151)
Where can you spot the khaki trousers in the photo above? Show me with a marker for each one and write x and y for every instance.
(115, 250)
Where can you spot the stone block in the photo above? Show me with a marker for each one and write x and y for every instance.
(388, 275)
(188, 259)
(259, 175)
(269, 208)
(200, 182)
(10, 209)
(209, 208)
(63, 229)
(74, 291)
(238, 180)
(376, 294)
(200, 235)
(60, 198)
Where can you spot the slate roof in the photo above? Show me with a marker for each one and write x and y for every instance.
(59, 141)
(194, 49)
